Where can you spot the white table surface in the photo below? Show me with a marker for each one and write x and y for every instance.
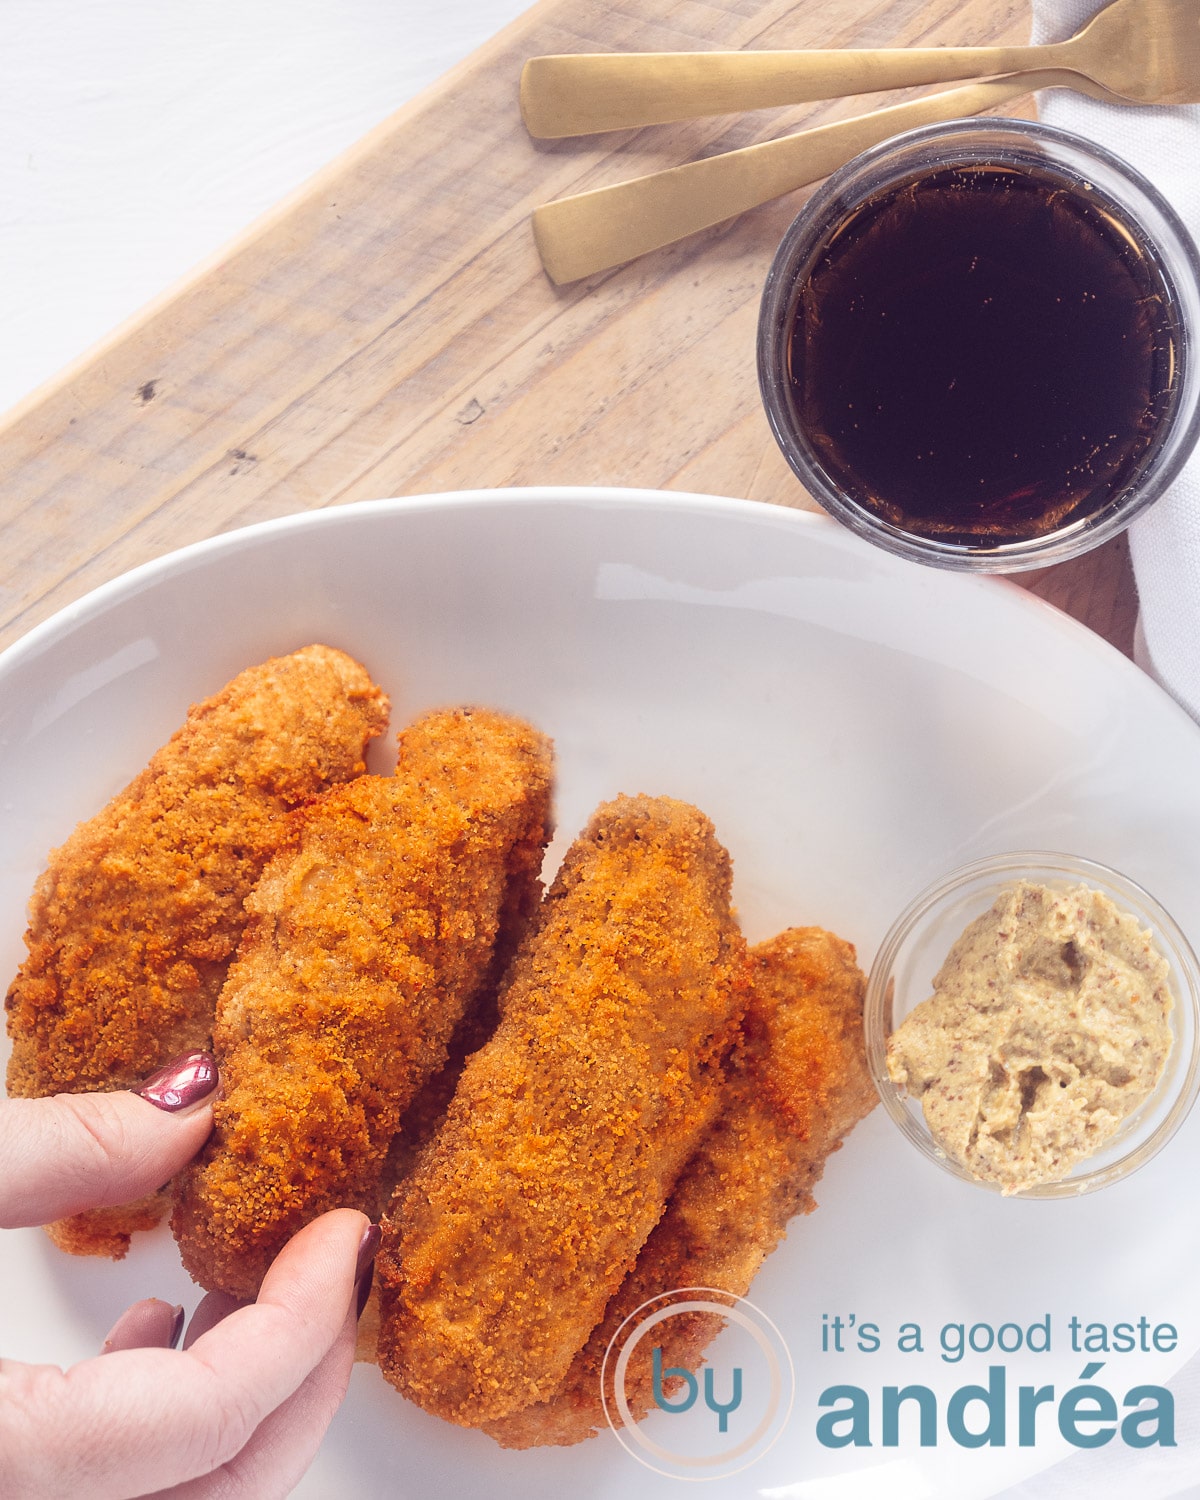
(138, 136)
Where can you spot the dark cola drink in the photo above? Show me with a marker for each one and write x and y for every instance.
(984, 354)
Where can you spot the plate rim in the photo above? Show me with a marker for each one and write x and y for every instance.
(96, 600)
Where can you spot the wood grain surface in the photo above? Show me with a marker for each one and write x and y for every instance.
(388, 330)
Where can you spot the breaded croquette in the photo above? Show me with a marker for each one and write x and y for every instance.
(569, 1127)
(799, 1084)
(134, 922)
(368, 938)
(418, 1125)
(424, 1116)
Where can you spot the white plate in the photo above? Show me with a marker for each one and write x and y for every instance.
(854, 726)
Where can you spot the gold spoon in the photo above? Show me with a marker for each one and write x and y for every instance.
(1146, 50)
(593, 231)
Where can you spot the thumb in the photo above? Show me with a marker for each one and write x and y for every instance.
(62, 1155)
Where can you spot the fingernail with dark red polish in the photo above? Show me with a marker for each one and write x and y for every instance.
(148, 1324)
(364, 1289)
(368, 1248)
(364, 1269)
(182, 1083)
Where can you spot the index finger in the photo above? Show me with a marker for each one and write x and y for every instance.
(66, 1153)
(138, 1420)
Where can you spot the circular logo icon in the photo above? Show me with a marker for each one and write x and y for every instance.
(689, 1404)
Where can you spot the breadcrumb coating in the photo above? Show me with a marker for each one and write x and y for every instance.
(569, 1126)
(369, 937)
(134, 922)
(418, 1126)
(425, 1115)
(799, 1084)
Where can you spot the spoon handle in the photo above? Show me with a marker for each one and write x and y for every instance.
(594, 231)
(576, 94)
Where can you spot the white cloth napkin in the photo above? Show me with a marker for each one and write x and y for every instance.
(1164, 145)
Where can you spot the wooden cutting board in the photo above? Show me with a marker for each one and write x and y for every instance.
(388, 329)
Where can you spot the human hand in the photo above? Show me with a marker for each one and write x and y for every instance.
(242, 1408)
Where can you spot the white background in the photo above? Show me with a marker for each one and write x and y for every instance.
(138, 136)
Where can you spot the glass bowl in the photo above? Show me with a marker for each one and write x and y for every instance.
(915, 948)
(867, 323)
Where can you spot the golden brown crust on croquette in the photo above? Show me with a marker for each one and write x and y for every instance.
(107, 1231)
(137, 914)
(570, 1125)
(368, 939)
(134, 921)
(798, 1084)
(424, 1116)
